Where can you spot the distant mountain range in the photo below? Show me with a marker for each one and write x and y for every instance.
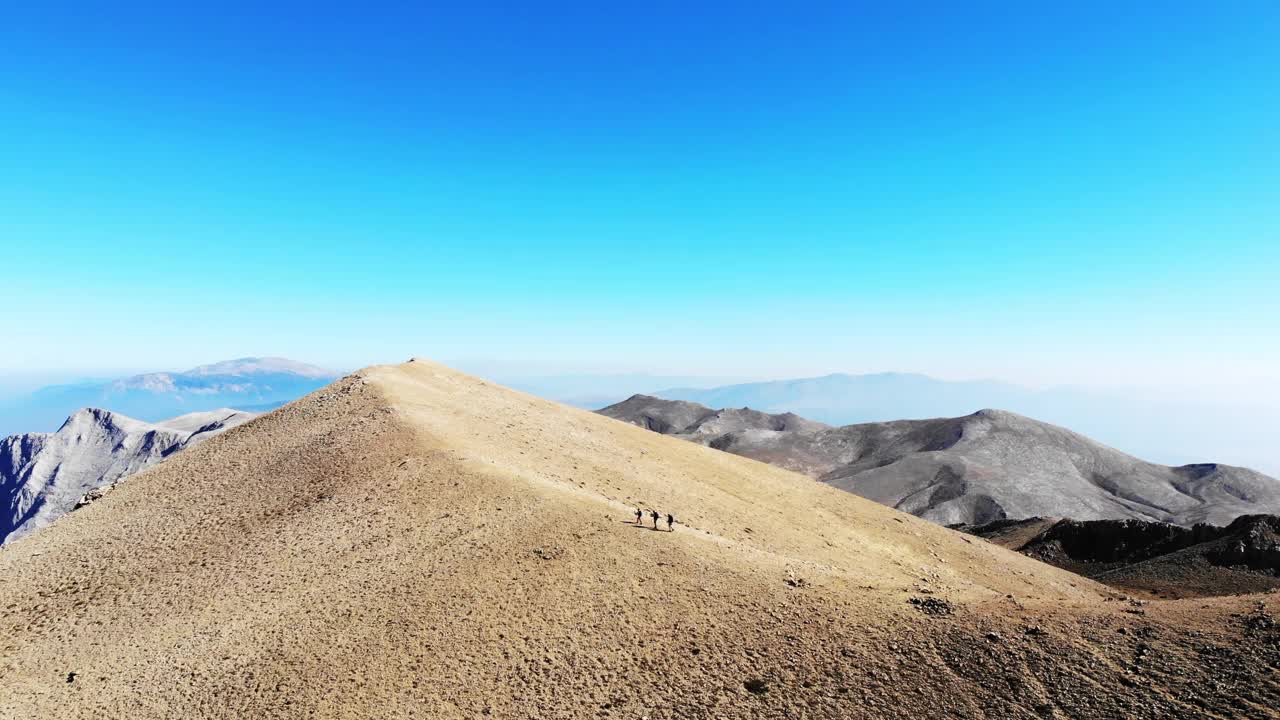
(978, 468)
(252, 383)
(44, 475)
(590, 391)
(843, 399)
(411, 524)
(1172, 427)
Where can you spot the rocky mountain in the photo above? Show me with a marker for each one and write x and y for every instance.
(975, 469)
(43, 476)
(1151, 557)
(414, 542)
(247, 383)
(1174, 426)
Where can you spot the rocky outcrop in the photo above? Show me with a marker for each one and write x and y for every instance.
(1243, 556)
(46, 475)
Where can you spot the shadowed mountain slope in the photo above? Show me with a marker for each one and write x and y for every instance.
(1150, 557)
(975, 469)
(413, 542)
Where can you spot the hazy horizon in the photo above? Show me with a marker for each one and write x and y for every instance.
(16, 381)
(1172, 426)
(1264, 393)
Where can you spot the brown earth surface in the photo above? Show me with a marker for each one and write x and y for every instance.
(411, 542)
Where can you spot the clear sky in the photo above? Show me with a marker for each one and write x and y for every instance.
(1085, 193)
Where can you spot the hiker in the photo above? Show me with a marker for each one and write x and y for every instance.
(639, 515)
(671, 523)
(654, 515)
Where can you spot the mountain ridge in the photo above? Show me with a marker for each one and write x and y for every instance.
(44, 476)
(843, 398)
(389, 540)
(973, 469)
(1162, 424)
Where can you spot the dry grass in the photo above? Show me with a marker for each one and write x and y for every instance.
(411, 542)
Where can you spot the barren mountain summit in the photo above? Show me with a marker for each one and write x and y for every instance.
(414, 542)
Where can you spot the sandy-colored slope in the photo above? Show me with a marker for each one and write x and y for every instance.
(413, 542)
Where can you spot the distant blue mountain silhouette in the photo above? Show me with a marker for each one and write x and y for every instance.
(842, 399)
(256, 384)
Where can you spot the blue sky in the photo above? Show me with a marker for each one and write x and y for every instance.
(1082, 194)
